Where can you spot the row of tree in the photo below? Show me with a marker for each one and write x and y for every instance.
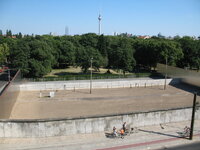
(37, 55)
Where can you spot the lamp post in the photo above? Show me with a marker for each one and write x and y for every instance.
(91, 75)
(9, 75)
(165, 85)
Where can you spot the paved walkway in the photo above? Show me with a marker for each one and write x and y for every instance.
(161, 136)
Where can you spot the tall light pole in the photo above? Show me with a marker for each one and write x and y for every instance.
(165, 86)
(91, 75)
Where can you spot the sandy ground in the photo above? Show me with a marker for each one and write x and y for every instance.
(80, 103)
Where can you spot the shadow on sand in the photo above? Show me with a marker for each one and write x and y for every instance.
(188, 88)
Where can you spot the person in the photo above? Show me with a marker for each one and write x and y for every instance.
(124, 126)
(114, 131)
(122, 133)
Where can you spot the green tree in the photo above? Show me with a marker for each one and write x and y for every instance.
(84, 55)
(191, 50)
(147, 52)
(102, 45)
(1, 33)
(4, 52)
(67, 54)
(89, 39)
(20, 55)
(121, 55)
(8, 33)
(19, 35)
(40, 58)
(171, 51)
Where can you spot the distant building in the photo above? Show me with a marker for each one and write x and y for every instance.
(12, 37)
(126, 34)
(66, 30)
(52, 34)
(161, 36)
(115, 33)
(144, 37)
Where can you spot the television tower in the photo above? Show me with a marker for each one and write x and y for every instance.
(66, 30)
(99, 18)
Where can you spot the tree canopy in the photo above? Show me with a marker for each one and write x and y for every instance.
(4, 52)
(38, 55)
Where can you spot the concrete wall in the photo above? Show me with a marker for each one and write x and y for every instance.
(47, 128)
(188, 76)
(192, 80)
(85, 84)
(2, 85)
(8, 96)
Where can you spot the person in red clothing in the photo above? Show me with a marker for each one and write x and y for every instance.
(122, 133)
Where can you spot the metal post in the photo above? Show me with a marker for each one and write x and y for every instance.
(9, 75)
(91, 76)
(165, 86)
(193, 116)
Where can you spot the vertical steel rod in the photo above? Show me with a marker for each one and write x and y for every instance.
(193, 116)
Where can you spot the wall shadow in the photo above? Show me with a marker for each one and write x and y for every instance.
(160, 133)
(187, 87)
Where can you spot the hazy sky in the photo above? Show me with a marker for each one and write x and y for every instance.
(139, 17)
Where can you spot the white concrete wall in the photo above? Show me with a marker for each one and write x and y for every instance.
(85, 84)
(36, 128)
(192, 80)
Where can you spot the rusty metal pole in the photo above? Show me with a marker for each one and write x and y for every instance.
(91, 76)
(193, 116)
(165, 85)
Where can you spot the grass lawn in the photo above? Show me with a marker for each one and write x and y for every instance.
(75, 73)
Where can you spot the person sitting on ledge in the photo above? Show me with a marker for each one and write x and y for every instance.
(114, 131)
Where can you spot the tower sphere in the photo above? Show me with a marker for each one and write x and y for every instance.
(99, 17)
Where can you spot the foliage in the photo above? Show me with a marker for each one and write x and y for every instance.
(38, 55)
(4, 52)
(84, 56)
(66, 54)
(191, 50)
(8, 33)
(1, 33)
(121, 55)
(170, 51)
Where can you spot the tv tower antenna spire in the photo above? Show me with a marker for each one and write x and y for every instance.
(99, 18)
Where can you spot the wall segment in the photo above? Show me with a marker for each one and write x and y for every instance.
(67, 126)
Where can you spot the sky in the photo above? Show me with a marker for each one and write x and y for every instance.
(137, 17)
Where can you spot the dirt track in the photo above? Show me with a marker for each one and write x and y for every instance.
(101, 102)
